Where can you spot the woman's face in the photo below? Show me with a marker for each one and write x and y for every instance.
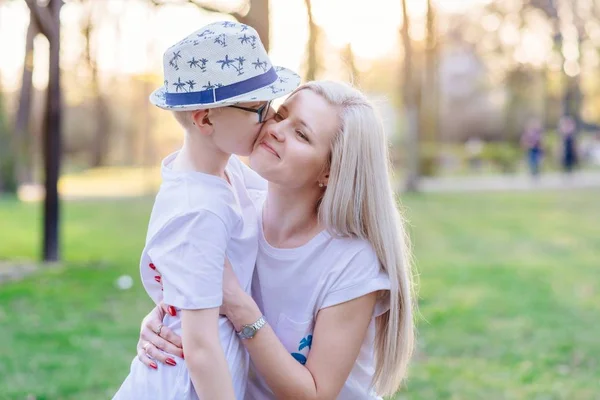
(293, 147)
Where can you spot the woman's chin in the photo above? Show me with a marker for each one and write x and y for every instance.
(259, 163)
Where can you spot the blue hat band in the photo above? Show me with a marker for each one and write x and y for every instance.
(220, 93)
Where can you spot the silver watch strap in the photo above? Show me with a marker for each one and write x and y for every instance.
(259, 323)
(248, 331)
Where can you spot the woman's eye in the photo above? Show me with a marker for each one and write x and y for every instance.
(278, 117)
(302, 135)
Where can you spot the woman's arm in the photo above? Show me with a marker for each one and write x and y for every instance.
(205, 358)
(338, 335)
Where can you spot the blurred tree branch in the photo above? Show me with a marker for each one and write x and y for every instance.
(43, 18)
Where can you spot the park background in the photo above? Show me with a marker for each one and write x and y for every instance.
(509, 263)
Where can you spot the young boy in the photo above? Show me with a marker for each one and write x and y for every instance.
(219, 83)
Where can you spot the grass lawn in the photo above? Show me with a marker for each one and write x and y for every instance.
(509, 298)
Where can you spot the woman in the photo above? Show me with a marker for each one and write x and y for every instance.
(333, 273)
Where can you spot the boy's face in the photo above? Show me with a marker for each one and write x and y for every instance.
(236, 130)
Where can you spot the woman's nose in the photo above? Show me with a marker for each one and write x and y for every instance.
(275, 130)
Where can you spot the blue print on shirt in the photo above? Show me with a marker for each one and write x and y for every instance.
(305, 342)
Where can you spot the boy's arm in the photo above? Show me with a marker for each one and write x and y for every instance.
(189, 258)
(204, 355)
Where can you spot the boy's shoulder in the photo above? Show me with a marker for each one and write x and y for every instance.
(189, 198)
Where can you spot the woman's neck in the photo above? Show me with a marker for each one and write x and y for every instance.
(290, 217)
(200, 154)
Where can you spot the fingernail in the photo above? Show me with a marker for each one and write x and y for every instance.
(171, 362)
(157, 278)
(152, 266)
(153, 365)
(182, 356)
(172, 311)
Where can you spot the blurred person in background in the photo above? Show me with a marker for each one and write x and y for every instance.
(567, 128)
(531, 141)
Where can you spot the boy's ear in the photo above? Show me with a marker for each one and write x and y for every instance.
(200, 118)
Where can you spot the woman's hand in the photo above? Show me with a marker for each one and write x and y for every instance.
(237, 306)
(150, 344)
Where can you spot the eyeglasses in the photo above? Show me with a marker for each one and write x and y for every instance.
(262, 111)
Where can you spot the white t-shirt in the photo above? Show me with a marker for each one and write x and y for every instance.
(291, 285)
(197, 220)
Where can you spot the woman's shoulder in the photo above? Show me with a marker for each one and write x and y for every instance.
(355, 271)
(352, 258)
(359, 248)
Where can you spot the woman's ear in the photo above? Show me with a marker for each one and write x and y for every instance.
(324, 179)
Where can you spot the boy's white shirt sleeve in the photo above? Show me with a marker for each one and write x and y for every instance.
(252, 180)
(189, 253)
(361, 276)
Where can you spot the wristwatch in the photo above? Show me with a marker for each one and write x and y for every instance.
(248, 331)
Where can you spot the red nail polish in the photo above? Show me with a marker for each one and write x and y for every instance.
(153, 365)
(171, 362)
(172, 311)
(182, 356)
(152, 266)
(157, 278)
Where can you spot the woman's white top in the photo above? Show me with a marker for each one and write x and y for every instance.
(291, 285)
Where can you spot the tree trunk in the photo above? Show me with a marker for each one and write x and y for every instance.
(48, 19)
(7, 159)
(8, 183)
(410, 107)
(312, 64)
(101, 136)
(429, 98)
(23, 136)
(349, 60)
(258, 18)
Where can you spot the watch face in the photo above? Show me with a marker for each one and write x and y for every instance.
(247, 331)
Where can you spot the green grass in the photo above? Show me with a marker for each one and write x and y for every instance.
(509, 298)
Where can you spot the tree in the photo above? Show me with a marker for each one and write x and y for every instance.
(429, 97)
(8, 183)
(22, 121)
(312, 64)
(350, 62)
(7, 157)
(47, 18)
(410, 105)
(101, 136)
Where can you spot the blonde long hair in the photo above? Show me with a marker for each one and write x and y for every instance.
(359, 202)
